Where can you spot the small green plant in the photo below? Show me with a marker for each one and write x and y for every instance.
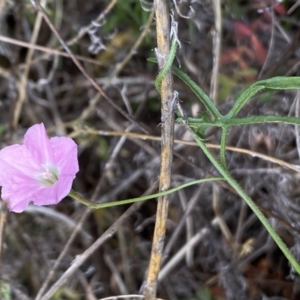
(212, 117)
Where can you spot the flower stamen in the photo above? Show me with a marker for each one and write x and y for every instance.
(49, 176)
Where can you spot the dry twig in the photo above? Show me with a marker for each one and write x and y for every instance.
(163, 42)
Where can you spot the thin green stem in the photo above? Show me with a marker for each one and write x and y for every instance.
(194, 122)
(93, 205)
(231, 181)
(263, 119)
(205, 99)
(167, 65)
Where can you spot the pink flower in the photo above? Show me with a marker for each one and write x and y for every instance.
(40, 171)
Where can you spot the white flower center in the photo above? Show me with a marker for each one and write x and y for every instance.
(49, 175)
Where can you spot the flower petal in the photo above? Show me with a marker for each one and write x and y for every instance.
(16, 165)
(21, 167)
(19, 207)
(17, 170)
(64, 151)
(18, 196)
(38, 144)
(54, 194)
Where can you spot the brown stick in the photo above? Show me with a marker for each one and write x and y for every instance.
(167, 140)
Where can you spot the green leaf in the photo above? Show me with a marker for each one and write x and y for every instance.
(275, 83)
(204, 99)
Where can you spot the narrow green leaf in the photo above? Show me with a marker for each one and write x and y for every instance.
(167, 65)
(207, 102)
(275, 83)
(262, 119)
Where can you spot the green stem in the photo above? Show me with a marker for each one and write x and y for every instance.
(250, 203)
(93, 205)
(166, 66)
(194, 122)
(263, 119)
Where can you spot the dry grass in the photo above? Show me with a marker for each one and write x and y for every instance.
(217, 251)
